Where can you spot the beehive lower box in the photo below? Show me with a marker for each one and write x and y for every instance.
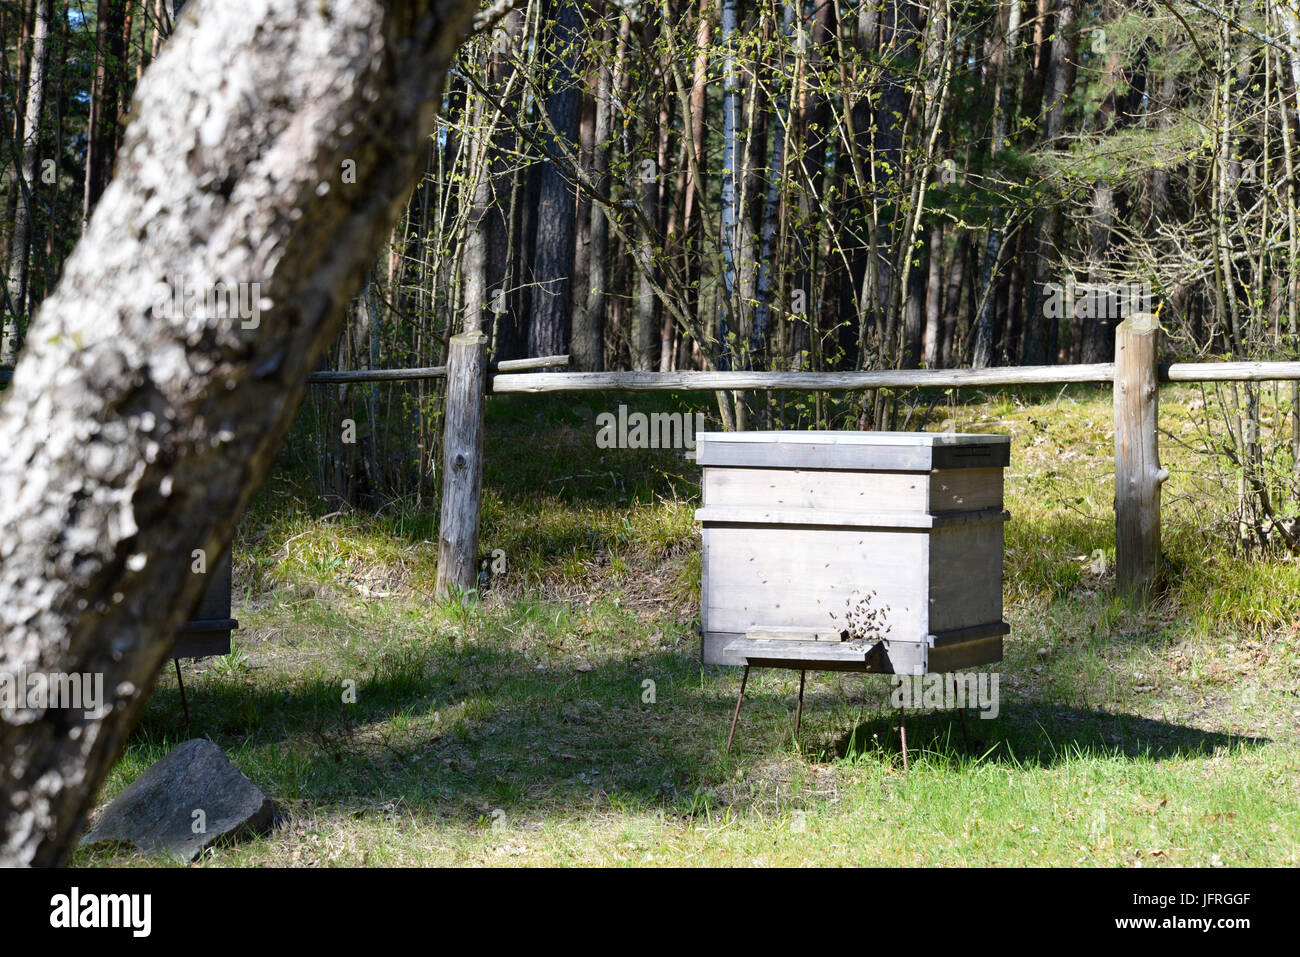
(208, 632)
(799, 526)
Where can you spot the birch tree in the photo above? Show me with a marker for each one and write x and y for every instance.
(135, 434)
(25, 187)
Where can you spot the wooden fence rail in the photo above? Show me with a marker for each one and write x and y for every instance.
(800, 381)
(398, 375)
(1136, 376)
(1098, 372)
(432, 372)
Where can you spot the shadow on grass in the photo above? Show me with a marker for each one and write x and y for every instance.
(458, 733)
(506, 733)
(1036, 734)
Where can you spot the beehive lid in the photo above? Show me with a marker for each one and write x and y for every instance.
(858, 451)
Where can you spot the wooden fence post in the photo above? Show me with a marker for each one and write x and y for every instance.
(462, 463)
(1138, 475)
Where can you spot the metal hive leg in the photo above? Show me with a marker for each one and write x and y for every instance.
(902, 733)
(798, 717)
(181, 684)
(736, 714)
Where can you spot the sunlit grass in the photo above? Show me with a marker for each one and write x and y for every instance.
(557, 713)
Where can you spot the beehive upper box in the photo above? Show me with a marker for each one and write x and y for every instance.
(857, 451)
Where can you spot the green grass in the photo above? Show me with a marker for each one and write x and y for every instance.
(559, 715)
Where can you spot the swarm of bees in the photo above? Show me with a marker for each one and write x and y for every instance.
(865, 618)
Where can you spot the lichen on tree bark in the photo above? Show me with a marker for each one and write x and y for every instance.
(133, 436)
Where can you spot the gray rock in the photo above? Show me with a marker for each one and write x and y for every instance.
(183, 803)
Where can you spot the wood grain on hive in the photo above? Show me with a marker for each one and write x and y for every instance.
(796, 525)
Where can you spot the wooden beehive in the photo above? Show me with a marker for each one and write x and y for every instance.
(797, 525)
(208, 632)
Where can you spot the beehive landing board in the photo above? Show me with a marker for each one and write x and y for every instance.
(797, 524)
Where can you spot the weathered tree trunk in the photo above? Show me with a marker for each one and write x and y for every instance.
(135, 433)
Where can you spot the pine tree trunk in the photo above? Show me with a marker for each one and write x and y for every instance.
(505, 238)
(730, 164)
(984, 323)
(25, 187)
(582, 225)
(102, 128)
(552, 297)
(474, 255)
(21, 24)
(1042, 334)
(952, 299)
(648, 173)
(587, 348)
(932, 344)
(772, 197)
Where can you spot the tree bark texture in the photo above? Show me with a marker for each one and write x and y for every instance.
(24, 190)
(549, 325)
(1138, 475)
(462, 468)
(135, 433)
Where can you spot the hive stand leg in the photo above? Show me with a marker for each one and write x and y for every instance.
(185, 705)
(736, 714)
(798, 716)
(902, 733)
(961, 707)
